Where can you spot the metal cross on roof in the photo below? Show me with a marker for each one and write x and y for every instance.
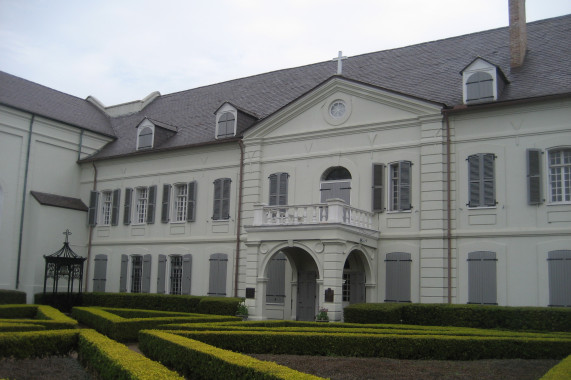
(339, 60)
(67, 233)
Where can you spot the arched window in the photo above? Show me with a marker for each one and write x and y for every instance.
(336, 183)
(336, 173)
(145, 139)
(226, 124)
(479, 87)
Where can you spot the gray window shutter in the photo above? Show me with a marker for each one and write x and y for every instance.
(404, 185)
(357, 287)
(166, 203)
(474, 180)
(398, 267)
(275, 289)
(127, 208)
(482, 278)
(378, 180)
(191, 205)
(161, 274)
(123, 278)
(186, 273)
(488, 180)
(217, 280)
(92, 210)
(221, 199)
(100, 273)
(559, 271)
(534, 176)
(115, 209)
(278, 189)
(152, 203)
(146, 274)
(226, 199)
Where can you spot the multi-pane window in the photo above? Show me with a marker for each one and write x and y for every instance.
(181, 202)
(136, 274)
(400, 185)
(226, 124)
(560, 175)
(106, 207)
(481, 180)
(142, 202)
(221, 199)
(346, 289)
(176, 275)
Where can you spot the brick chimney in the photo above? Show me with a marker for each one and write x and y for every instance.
(518, 32)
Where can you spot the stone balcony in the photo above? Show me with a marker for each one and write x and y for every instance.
(333, 211)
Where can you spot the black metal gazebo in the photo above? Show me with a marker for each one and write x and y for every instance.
(64, 264)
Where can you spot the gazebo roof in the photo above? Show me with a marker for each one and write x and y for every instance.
(65, 253)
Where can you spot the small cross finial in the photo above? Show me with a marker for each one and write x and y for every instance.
(339, 60)
(67, 233)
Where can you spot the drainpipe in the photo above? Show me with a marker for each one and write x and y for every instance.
(24, 191)
(448, 205)
(239, 217)
(90, 232)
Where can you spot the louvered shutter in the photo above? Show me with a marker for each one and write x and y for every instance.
(482, 278)
(146, 274)
(100, 273)
(161, 274)
(357, 288)
(216, 215)
(152, 204)
(404, 185)
(166, 203)
(191, 205)
(559, 272)
(534, 176)
(275, 289)
(273, 190)
(226, 199)
(217, 280)
(115, 207)
(186, 273)
(123, 278)
(378, 181)
(92, 210)
(398, 267)
(488, 180)
(127, 208)
(278, 189)
(474, 180)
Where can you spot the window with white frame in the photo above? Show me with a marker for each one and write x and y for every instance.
(180, 202)
(481, 180)
(136, 274)
(559, 175)
(106, 207)
(176, 275)
(226, 125)
(400, 176)
(141, 205)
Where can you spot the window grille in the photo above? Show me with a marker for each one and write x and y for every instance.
(136, 274)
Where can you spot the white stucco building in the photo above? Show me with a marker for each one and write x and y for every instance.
(438, 172)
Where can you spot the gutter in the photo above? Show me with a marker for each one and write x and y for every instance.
(24, 192)
(448, 206)
(89, 241)
(239, 217)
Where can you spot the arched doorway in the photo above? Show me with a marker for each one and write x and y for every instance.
(354, 279)
(292, 275)
(336, 183)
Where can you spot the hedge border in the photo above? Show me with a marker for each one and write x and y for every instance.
(43, 315)
(390, 345)
(478, 316)
(195, 359)
(122, 329)
(560, 371)
(12, 297)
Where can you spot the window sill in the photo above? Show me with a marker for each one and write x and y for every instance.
(482, 208)
(399, 212)
(558, 204)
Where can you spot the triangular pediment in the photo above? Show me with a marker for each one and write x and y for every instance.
(340, 104)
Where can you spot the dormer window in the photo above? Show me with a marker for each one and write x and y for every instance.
(226, 126)
(145, 138)
(482, 82)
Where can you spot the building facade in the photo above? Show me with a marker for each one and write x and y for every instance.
(433, 173)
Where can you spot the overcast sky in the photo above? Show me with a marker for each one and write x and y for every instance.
(122, 50)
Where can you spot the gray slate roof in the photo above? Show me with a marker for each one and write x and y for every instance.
(43, 101)
(429, 71)
(59, 201)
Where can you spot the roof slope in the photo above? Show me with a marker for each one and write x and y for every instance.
(429, 71)
(43, 101)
